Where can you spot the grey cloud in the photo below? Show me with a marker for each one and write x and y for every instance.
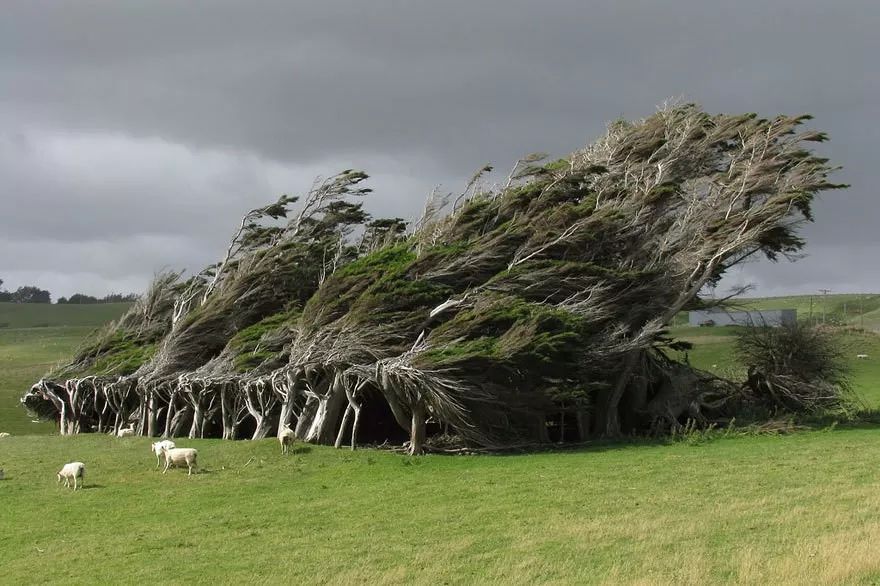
(206, 99)
(841, 268)
(119, 209)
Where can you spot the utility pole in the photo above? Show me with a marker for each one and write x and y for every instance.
(824, 293)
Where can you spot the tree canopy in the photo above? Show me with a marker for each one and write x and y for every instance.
(530, 312)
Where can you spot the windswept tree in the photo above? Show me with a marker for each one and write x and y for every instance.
(531, 312)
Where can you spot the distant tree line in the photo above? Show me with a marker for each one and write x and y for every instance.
(80, 298)
(25, 294)
(33, 294)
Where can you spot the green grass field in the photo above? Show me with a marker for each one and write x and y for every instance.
(799, 509)
(38, 337)
(714, 351)
(752, 509)
(44, 315)
(841, 309)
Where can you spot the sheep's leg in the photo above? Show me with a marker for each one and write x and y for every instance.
(74, 483)
(167, 463)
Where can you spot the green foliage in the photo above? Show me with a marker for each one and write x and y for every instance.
(508, 328)
(344, 287)
(117, 352)
(484, 346)
(393, 258)
(253, 345)
(396, 292)
(122, 357)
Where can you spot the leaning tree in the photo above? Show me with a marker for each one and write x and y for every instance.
(529, 312)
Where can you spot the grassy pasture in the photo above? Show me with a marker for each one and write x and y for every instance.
(844, 308)
(714, 351)
(38, 336)
(25, 356)
(797, 509)
(45, 315)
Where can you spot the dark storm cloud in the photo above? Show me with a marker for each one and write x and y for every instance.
(122, 120)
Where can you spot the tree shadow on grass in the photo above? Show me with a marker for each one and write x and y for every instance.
(301, 450)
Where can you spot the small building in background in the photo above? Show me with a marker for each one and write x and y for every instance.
(764, 317)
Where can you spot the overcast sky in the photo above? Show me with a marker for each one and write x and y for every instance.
(134, 134)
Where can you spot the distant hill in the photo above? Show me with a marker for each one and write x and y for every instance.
(44, 315)
(839, 309)
(855, 309)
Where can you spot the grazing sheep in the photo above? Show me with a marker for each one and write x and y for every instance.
(286, 437)
(157, 448)
(127, 432)
(73, 470)
(4, 434)
(861, 356)
(178, 456)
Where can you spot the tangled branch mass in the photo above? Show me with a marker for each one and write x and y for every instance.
(514, 315)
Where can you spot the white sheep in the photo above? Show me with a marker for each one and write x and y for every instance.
(126, 432)
(72, 470)
(157, 448)
(179, 456)
(286, 437)
(4, 434)
(861, 356)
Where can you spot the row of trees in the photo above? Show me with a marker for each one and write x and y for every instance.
(25, 294)
(82, 299)
(531, 311)
(33, 294)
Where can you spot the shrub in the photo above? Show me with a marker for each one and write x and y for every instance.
(795, 368)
